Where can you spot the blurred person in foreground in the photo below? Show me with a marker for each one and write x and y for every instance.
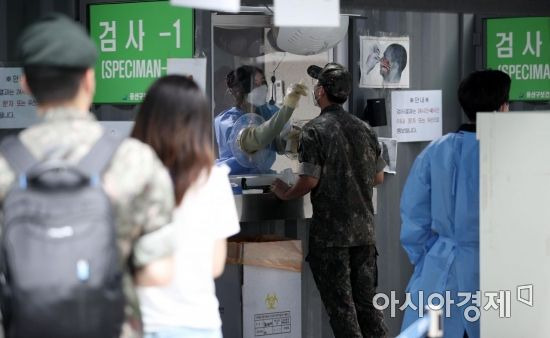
(174, 120)
(58, 59)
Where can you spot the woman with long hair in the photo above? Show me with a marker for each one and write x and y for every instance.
(174, 120)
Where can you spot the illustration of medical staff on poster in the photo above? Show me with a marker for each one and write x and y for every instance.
(384, 62)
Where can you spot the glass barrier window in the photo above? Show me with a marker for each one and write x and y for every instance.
(254, 64)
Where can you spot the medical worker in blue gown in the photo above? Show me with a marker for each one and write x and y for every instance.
(248, 86)
(440, 210)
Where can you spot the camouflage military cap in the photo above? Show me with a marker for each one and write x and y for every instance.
(334, 77)
(56, 40)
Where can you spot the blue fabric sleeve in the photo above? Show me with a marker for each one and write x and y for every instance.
(416, 215)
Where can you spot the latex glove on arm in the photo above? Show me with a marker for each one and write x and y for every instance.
(255, 138)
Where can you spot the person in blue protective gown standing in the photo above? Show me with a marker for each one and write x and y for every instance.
(248, 86)
(440, 213)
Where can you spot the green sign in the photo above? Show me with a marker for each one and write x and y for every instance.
(134, 41)
(521, 48)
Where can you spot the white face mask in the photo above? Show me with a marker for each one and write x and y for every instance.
(315, 99)
(258, 96)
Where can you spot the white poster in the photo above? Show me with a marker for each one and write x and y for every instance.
(307, 13)
(416, 115)
(384, 62)
(195, 68)
(389, 153)
(17, 109)
(232, 6)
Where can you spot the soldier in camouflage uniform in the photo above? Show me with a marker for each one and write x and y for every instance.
(340, 164)
(58, 57)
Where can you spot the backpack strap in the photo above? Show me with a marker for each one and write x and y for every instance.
(17, 155)
(99, 157)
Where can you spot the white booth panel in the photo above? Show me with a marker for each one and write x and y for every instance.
(515, 223)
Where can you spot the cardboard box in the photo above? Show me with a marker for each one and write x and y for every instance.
(260, 290)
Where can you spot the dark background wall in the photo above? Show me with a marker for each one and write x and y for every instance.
(15, 15)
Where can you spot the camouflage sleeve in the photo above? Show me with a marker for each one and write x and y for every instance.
(154, 207)
(310, 153)
(139, 182)
(155, 244)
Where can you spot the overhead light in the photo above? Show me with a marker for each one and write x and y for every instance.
(232, 6)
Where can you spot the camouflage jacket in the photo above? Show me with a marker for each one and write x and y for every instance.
(343, 153)
(136, 182)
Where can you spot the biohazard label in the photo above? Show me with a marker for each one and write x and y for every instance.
(267, 324)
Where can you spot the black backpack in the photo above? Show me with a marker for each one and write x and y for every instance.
(60, 274)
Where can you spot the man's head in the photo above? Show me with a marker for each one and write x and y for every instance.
(58, 59)
(333, 86)
(484, 91)
(393, 62)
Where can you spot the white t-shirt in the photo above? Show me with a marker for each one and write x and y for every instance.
(207, 213)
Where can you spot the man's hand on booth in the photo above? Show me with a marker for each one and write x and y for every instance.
(302, 187)
(279, 188)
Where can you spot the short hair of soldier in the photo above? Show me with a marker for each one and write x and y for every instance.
(332, 98)
(483, 91)
(175, 121)
(398, 53)
(53, 84)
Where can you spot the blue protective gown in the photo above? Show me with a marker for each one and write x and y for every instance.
(440, 230)
(223, 125)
